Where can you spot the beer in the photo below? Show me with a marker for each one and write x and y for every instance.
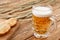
(41, 20)
(41, 24)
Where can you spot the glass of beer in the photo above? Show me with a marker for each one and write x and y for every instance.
(43, 21)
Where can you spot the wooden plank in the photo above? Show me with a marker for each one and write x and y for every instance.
(24, 31)
(6, 11)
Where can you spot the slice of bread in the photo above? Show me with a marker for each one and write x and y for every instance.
(12, 21)
(6, 25)
(4, 28)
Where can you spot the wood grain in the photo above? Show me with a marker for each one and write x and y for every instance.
(21, 9)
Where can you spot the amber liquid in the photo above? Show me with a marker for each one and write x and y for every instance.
(41, 24)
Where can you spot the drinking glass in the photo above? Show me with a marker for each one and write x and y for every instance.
(43, 21)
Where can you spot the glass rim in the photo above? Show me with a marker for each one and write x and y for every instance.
(42, 5)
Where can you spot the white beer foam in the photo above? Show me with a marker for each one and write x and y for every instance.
(41, 11)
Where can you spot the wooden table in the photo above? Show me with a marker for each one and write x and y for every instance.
(21, 9)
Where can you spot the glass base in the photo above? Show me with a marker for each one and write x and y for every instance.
(41, 35)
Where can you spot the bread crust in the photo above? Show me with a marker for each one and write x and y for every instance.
(5, 25)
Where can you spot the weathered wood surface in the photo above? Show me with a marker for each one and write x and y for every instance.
(21, 9)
